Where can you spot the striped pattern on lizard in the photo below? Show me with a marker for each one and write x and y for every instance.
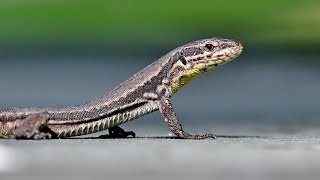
(147, 91)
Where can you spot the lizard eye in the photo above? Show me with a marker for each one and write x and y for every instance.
(209, 47)
(183, 60)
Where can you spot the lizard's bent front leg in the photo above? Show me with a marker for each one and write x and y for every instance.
(173, 123)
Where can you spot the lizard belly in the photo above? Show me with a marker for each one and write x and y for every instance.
(92, 126)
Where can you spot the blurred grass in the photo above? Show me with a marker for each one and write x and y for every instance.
(265, 24)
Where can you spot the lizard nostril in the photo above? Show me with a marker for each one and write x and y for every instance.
(238, 43)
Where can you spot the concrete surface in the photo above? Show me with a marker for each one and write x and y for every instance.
(238, 157)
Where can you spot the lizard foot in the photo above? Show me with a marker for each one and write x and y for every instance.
(198, 136)
(31, 127)
(117, 132)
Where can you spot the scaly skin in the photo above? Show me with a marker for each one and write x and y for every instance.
(147, 91)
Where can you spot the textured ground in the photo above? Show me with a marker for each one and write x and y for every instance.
(159, 158)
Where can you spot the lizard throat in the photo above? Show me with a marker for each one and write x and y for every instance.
(199, 66)
(190, 75)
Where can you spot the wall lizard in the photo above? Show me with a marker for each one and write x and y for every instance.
(147, 91)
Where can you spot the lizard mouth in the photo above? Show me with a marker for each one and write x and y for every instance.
(216, 59)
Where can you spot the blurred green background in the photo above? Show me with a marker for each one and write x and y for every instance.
(97, 26)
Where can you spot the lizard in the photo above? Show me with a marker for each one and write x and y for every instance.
(147, 91)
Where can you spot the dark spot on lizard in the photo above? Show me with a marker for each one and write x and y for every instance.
(183, 60)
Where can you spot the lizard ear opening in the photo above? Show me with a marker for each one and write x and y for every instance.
(183, 60)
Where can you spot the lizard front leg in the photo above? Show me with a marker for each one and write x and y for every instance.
(173, 123)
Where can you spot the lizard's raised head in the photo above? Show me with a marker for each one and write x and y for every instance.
(202, 56)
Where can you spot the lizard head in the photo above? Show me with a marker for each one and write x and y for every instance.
(202, 56)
